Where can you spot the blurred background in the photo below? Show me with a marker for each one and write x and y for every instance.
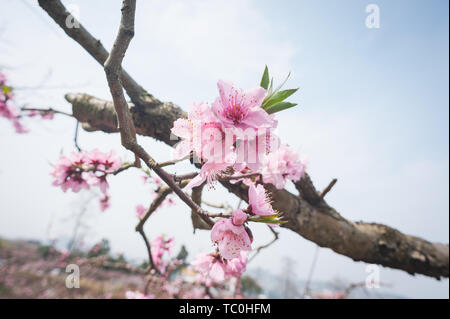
(373, 113)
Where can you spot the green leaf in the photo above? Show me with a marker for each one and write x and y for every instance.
(279, 107)
(268, 221)
(278, 97)
(265, 79)
(283, 83)
(268, 216)
(272, 92)
(269, 92)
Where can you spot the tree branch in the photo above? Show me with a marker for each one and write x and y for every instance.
(45, 111)
(94, 47)
(307, 214)
(152, 112)
(197, 222)
(162, 194)
(328, 188)
(75, 137)
(126, 126)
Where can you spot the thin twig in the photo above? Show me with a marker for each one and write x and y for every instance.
(435, 263)
(75, 138)
(276, 236)
(172, 162)
(311, 271)
(179, 178)
(214, 205)
(127, 131)
(149, 249)
(100, 262)
(162, 194)
(123, 168)
(226, 178)
(328, 188)
(48, 110)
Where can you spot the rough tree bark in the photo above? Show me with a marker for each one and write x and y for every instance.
(307, 213)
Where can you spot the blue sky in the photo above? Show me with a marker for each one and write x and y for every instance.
(373, 112)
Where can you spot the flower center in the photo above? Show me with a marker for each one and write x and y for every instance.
(235, 113)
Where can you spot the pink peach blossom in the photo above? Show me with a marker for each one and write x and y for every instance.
(241, 110)
(9, 111)
(160, 246)
(252, 149)
(237, 266)
(48, 115)
(83, 170)
(3, 78)
(239, 217)
(200, 127)
(281, 165)
(211, 169)
(231, 238)
(69, 171)
(259, 200)
(107, 162)
(211, 266)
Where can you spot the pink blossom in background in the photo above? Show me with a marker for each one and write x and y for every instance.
(104, 203)
(105, 162)
(259, 200)
(328, 294)
(231, 238)
(44, 115)
(140, 211)
(84, 170)
(169, 201)
(7, 108)
(145, 178)
(171, 288)
(33, 113)
(281, 165)
(160, 246)
(9, 111)
(48, 115)
(64, 255)
(195, 293)
(137, 295)
(20, 129)
(69, 172)
(3, 78)
(158, 181)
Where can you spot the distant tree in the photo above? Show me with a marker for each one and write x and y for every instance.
(249, 286)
